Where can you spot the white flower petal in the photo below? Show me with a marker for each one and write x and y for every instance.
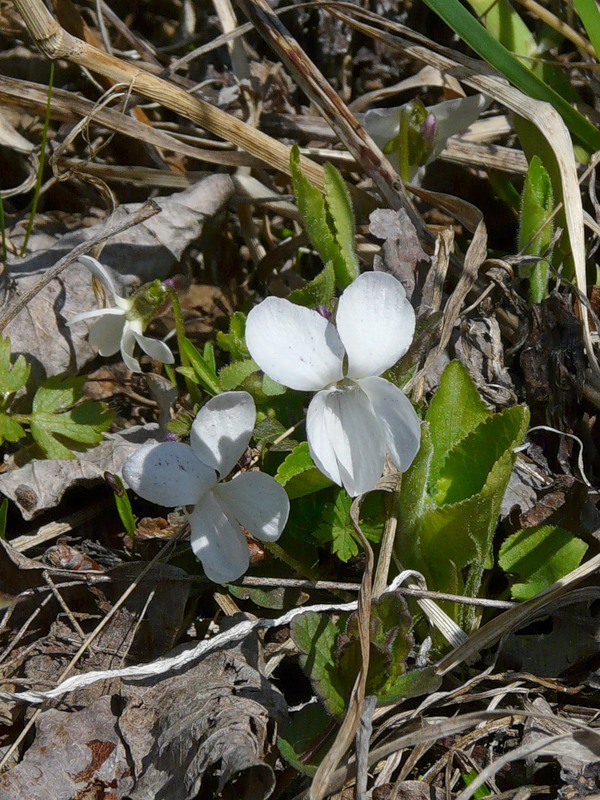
(154, 348)
(127, 346)
(105, 335)
(104, 275)
(345, 439)
(217, 541)
(455, 116)
(293, 345)
(382, 124)
(399, 420)
(168, 474)
(98, 312)
(376, 323)
(257, 502)
(222, 429)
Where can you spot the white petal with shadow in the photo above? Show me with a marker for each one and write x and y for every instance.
(101, 272)
(217, 541)
(399, 420)
(105, 335)
(222, 429)
(168, 474)
(293, 345)
(257, 502)
(345, 439)
(375, 322)
(127, 346)
(154, 348)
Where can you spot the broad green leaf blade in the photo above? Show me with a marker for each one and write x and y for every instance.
(455, 410)
(319, 291)
(299, 735)
(540, 556)
(467, 466)
(13, 376)
(463, 23)
(271, 388)
(298, 474)
(316, 636)
(340, 210)
(590, 17)
(123, 505)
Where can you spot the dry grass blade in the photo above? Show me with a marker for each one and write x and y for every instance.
(481, 78)
(333, 109)
(349, 727)
(56, 43)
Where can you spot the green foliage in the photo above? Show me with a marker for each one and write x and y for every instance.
(56, 410)
(539, 556)
(337, 530)
(233, 375)
(329, 223)
(123, 505)
(234, 341)
(319, 291)
(298, 474)
(55, 414)
(450, 497)
(203, 372)
(267, 431)
(302, 741)
(330, 654)
(537, 202)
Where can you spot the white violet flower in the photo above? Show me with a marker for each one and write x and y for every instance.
(121, 327)
(355, 414)
(443, 120)
(177, 474)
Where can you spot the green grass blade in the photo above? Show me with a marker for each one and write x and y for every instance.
(464, 24)
(590, 17)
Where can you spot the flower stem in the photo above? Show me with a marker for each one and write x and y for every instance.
(193, 391)
(38, 182)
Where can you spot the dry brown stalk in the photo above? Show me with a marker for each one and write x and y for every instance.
(55, 43)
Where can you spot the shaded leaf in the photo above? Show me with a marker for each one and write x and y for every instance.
(299, 475)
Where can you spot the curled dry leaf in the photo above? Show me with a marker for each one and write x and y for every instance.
(147, 251)
(41, 483)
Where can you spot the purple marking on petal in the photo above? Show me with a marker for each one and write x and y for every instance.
(169, 283)
(429, 129)
(324, 312)
(171, 437)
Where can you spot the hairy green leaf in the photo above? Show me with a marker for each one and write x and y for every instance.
(299, 475)
(319, 291)
(539, 556)
(13, 376)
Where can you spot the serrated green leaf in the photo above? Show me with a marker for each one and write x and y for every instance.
(455, 410)
(234, 374)
(340, 210)
(318, 292)
(234, 341)
(298, 474)
(205, 374)
(52, 417)
(276, 599)
(10, 431)
(336, 527)
(540, 556)
(13, 376)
